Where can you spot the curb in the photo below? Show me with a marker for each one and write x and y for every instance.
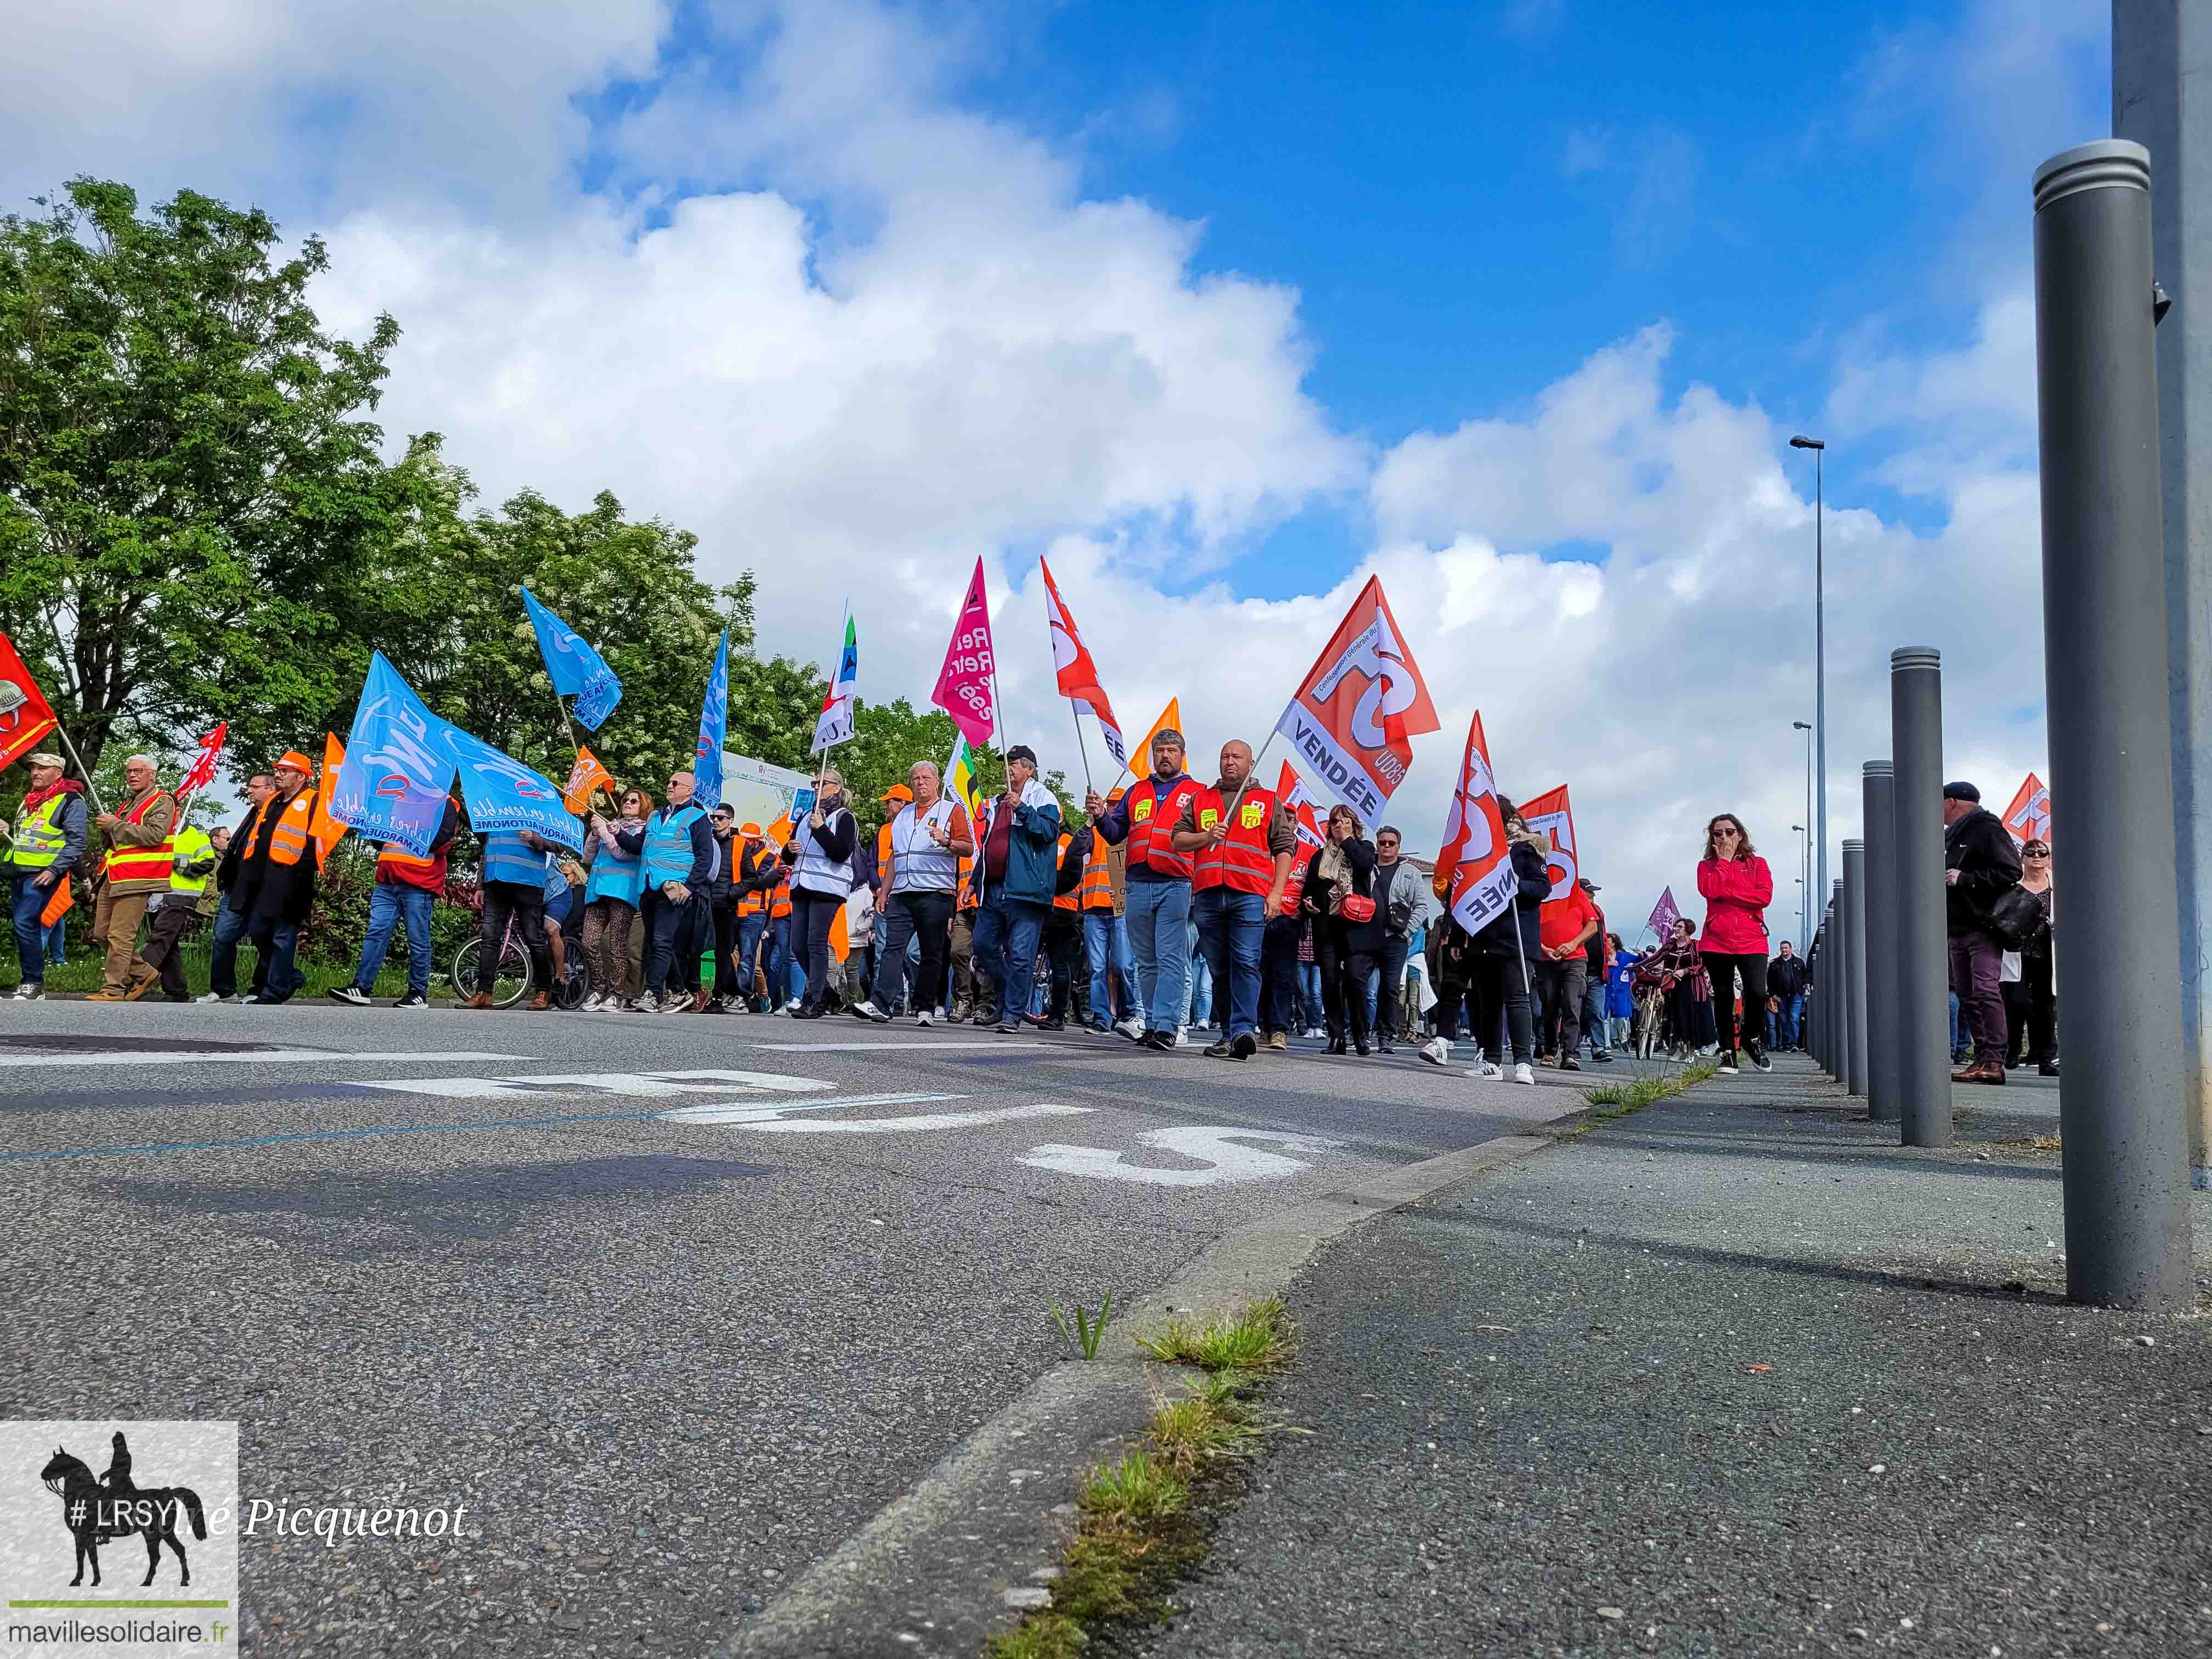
(979, 1538)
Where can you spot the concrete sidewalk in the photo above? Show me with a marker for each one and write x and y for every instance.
(1731, 1375)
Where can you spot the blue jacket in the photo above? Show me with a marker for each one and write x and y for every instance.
(1032, 853)
(1619, 999)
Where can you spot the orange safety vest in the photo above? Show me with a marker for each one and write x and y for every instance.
(1097, 892)
(1153, 818)
(1072, 898)
(290, 838)
(781, 906)
(884, 856)
(1242, 861)
(144, 863)
(749, 904)
(967, 899)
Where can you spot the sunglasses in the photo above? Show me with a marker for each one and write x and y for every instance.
(2036, 852)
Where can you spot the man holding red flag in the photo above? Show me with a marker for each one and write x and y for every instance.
(1240, 844)
(48, 844)
(140, 840)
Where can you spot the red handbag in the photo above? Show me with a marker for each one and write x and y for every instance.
(1356, 908)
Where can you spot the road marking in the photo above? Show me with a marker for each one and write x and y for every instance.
(1228, 1163)
(760, 1114)
(648, 1085)
(887, 1048)
(267, 1056)
(330, 1134)
(773, 1123)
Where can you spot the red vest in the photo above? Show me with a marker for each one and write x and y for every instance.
(1242, 861)
(394, 863)
(1152, 818)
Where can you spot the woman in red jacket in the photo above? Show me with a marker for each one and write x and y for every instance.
(1737, 888)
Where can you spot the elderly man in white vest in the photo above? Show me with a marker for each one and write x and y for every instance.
(928, 839)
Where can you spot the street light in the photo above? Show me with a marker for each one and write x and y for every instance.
(1804, 847)
(1804, 922)
(1820, 667)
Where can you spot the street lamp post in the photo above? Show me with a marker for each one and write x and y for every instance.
(1805, 922)
(1803, 847)
(1819, 669)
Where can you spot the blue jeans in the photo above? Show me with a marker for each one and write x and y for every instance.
(1230, 926)
(30, 932)
(57, 936)
(750, 929)
(1198, 1002)
(785, 978)
(1782, 1024)
(1593, 1013)
(274, 942)
(222, 970)
(1006, 947)
(1309, 1008)
(1958, 1029)
(1106, 951)
(391, 902)
(1159, 912)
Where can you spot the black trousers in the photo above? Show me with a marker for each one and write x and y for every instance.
(728, 983)
(1343, 979)
(506, 901)
(172, 925)
(1061, 944)
(1503, 1009)
(918, 913)
(1278, 974)
(2031, 1011)
(1722, 971)
(1392, 990)
(811, 913)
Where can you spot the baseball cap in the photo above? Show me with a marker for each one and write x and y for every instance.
(1022, 752)
(45, 757)
(897, 792)
(1962, 792)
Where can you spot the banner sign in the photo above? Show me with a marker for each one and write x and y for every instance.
(1353, 716)
(393, 783)
(713, 726)
(502, 794)
(1551, 817)
(964, 684)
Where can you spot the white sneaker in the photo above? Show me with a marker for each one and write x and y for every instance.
(32, 991)
(647, 1004)
(792, 1006)
(925, 1016)
(1488, 1072)
(1521, 1073)
(1130, 1027)
(205, 996)
(867, 1009)
(1182, 1039)
(1437, 1052)
(1315, 1033)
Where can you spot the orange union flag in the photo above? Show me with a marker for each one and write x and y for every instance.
(1475, 868)
(1359, 704)
(2028, 818)
(585, 778)
(1290, 791)
(1552, 815)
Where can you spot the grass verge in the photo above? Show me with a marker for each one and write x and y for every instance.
(1619, 1099)
(1143, 1522)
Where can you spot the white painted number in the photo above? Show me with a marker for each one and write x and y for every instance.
(1226, 1161)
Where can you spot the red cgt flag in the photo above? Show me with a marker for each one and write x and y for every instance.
(1352, 715)
(26, 717)
(203, 769)
(2028, 818)
(1475, 868)
(1078, 674)
(1551, 817)
(1290, 791)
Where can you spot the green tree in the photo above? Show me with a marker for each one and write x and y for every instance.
(189, 500)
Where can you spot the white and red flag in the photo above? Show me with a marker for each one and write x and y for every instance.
(203, 769)
(2028, 818)
(965, 684)
(1077, 673)
(1290, 792)
(1353, 716)
(1476, 862)
(1551, 817)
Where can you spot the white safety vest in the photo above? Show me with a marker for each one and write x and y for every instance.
(918, 863)
(816, 871)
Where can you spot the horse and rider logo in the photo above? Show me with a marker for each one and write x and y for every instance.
(113, 1506)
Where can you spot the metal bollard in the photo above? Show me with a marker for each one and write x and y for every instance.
(2126, 1157)
(1878, 794)
(1924, 959)
(1855, 967)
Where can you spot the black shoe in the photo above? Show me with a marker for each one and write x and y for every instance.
(2049, 1068)
(1568, 1063)
(1383, 1047)
(1758, 1053)
(1359, 1045)
(803, 1012)
(1244, 1047)
(1220, 1049)
(1163, 1040)
(1603, 1056)
(1336, 1045)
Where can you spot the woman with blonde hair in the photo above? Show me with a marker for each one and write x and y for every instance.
(1737, 888)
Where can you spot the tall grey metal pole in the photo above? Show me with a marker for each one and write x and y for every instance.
(1923, 964)
(1855, 966)
(2160, 47)
(1830, 956)
(2125, 1139)
(1841, 1070)
(1878, 794)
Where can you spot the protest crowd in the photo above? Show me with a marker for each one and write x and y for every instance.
(1172, 904)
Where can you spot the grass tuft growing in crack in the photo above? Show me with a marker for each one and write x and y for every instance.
(1083, 1332)
(1256, 1340)
(1143, 1524)
(1619, 1099)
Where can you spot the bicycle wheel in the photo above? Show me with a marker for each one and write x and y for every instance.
(510, 983)
(575, 985)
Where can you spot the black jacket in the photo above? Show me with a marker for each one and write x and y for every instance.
(1785, 976)
(1534, 876)
(1980, 849)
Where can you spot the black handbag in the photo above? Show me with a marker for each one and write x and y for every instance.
(2015, 918)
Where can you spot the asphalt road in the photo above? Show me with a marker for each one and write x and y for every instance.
(672, 1305)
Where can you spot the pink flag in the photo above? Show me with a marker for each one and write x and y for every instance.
(1664, 915)
(964, 684)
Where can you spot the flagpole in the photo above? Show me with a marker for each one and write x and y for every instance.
(90, 788)
(1075, 715)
